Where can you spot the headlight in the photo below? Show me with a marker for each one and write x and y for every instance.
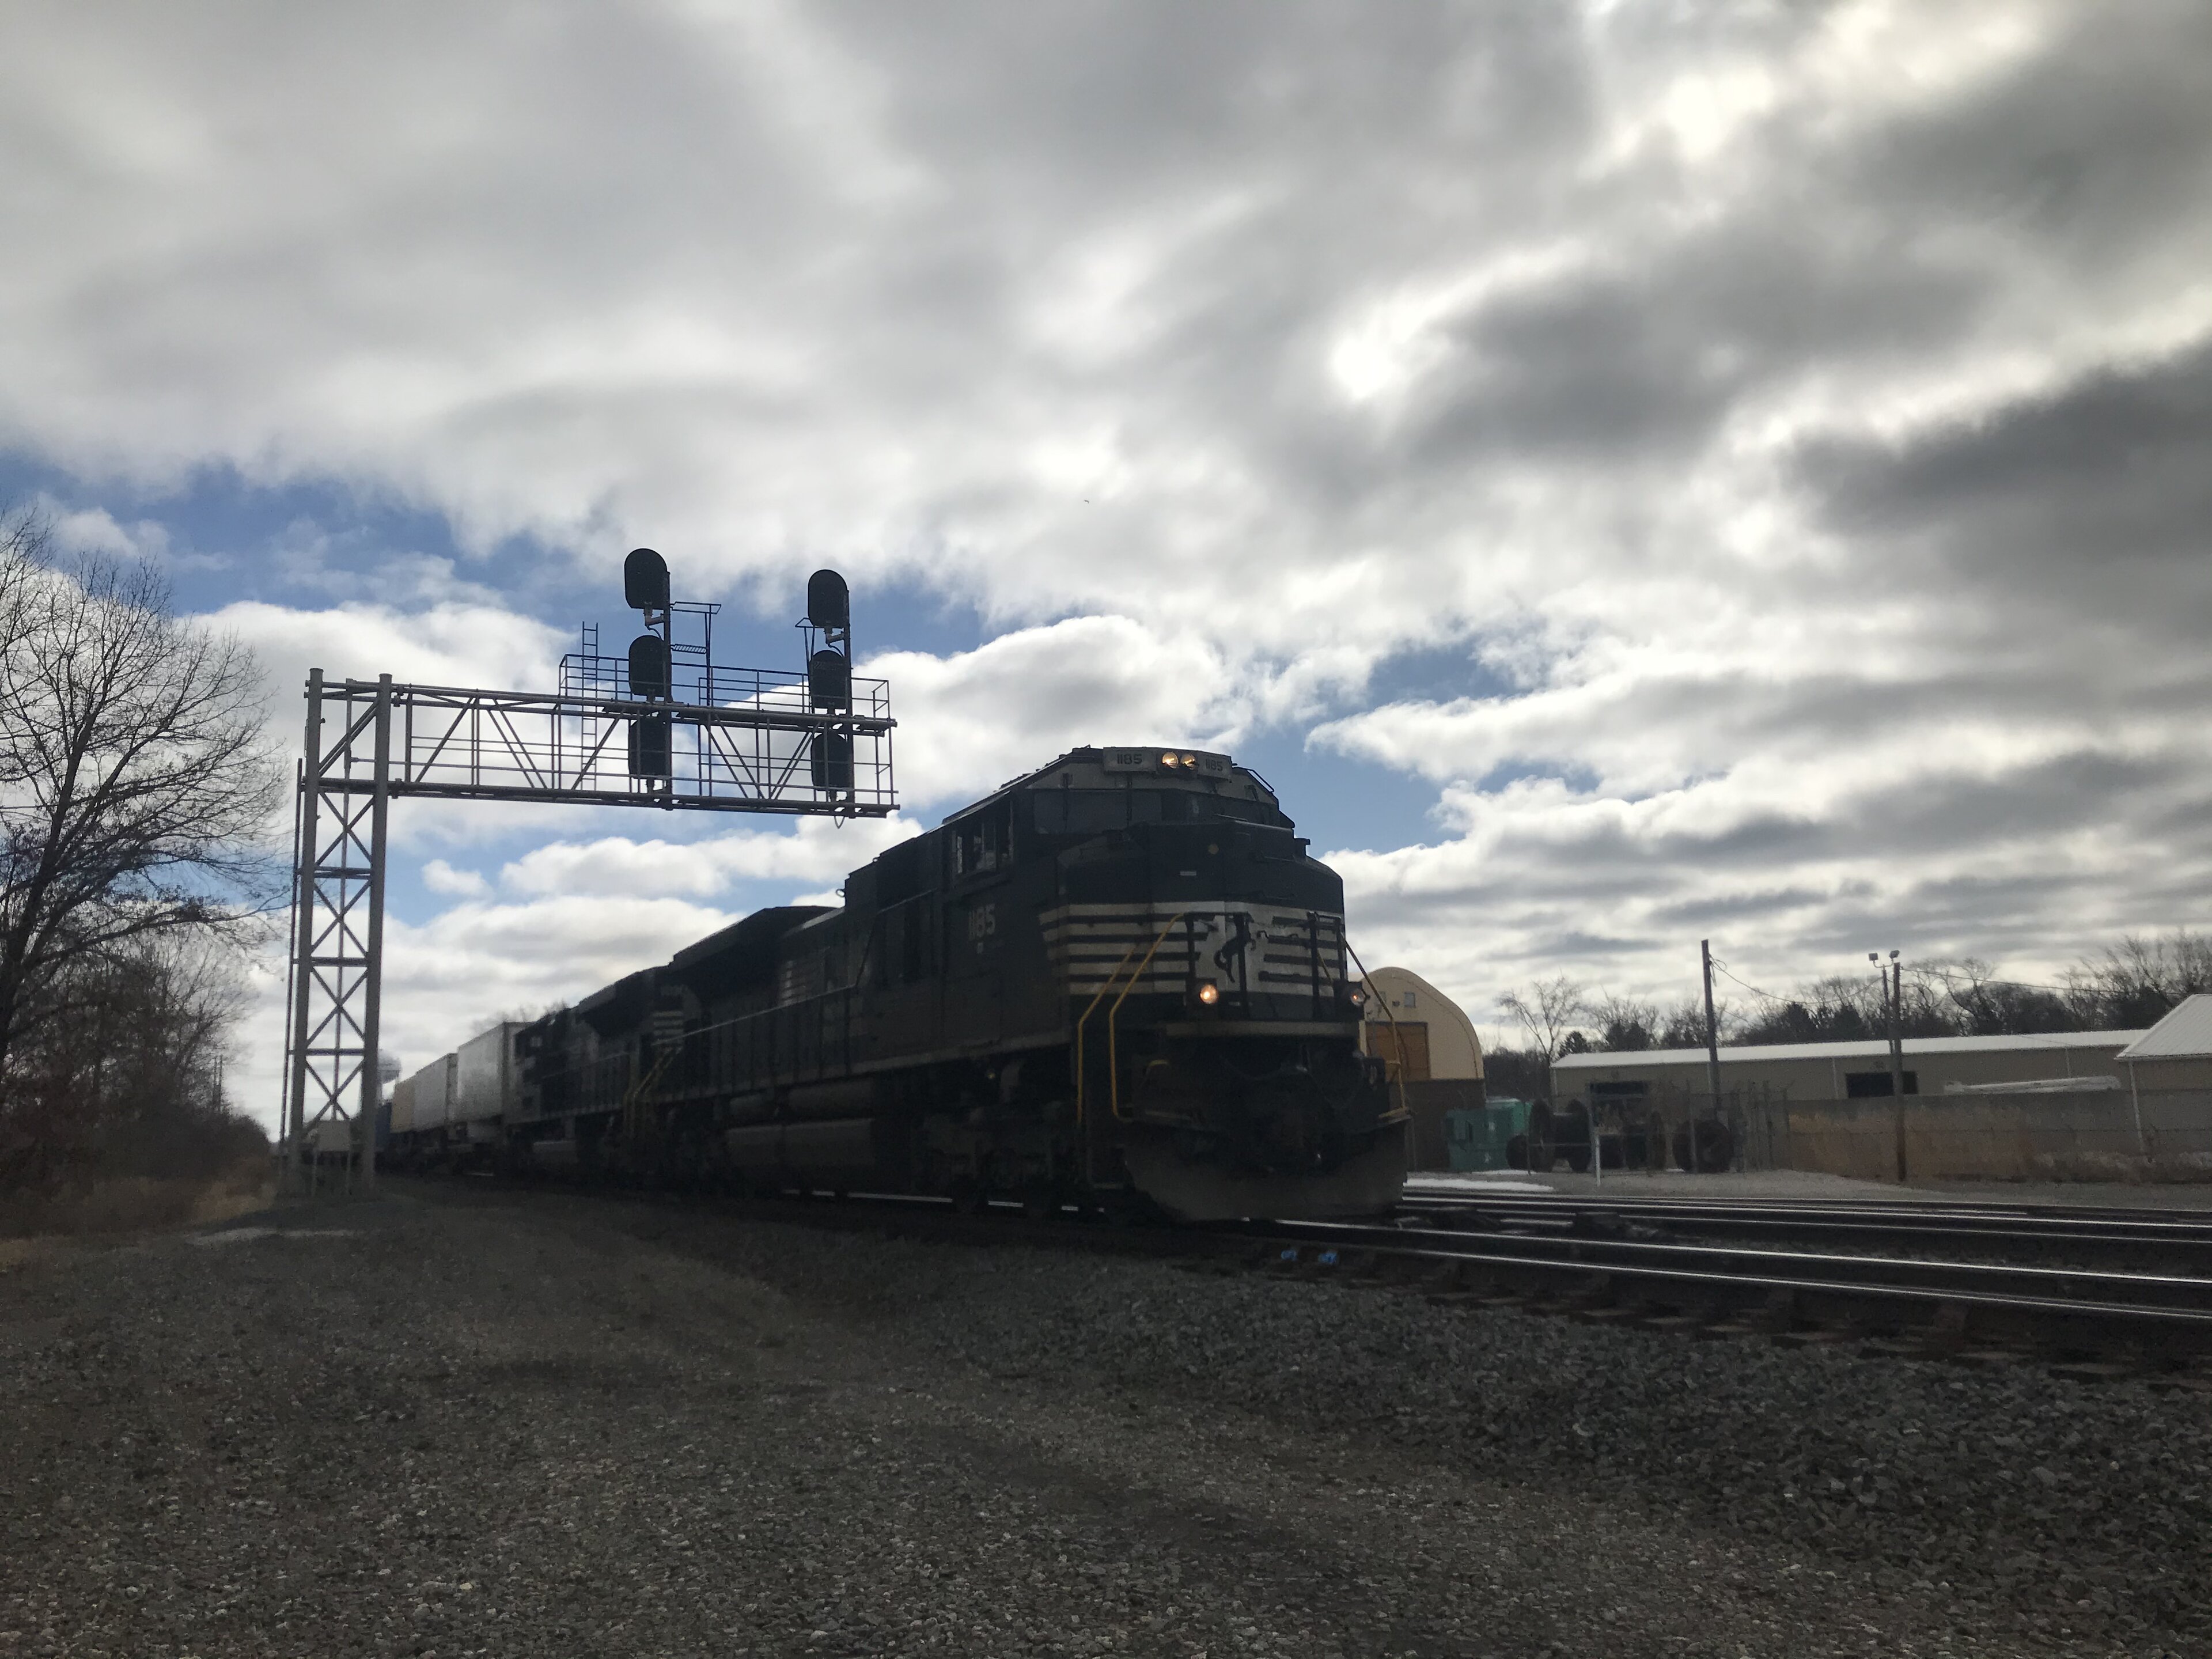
(1208, 992)
(1169, 760)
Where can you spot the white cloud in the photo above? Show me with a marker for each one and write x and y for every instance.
(95, 529)
(970, 721)
(444, 644)
(440, 877)
(814, 850)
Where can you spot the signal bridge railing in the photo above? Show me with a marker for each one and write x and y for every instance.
(755, 753)
(594, 678)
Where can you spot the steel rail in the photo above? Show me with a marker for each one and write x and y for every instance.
(2006, 1280)
(1432, 1188)
(1898, 1217)
(2073, 1324)
(1742, 1292)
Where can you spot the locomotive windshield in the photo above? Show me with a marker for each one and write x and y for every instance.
(1087, 812)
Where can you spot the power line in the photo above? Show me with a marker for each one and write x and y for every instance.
(1935, 970)
(1947, 975)
(1722, 968)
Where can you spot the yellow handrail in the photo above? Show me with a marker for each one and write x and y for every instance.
(1396, 1042)
(634, 1097)
(1113, 1050)
(1085, 1020)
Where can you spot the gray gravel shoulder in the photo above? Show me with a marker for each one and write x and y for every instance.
(550, 1424)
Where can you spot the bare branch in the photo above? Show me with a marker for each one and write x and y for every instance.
(136, 782)
(1548, 1011)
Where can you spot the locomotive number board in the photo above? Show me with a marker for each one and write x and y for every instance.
(1175, 762)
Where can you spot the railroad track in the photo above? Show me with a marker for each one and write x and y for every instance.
(2174, 1236)
(2089, 1323)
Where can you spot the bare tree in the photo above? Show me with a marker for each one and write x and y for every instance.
(1684, 1024)
(136, 782)
(124, 1076)
(1549, 1013)
(2137, 981)
(1989, 1006)
(1626, 1024)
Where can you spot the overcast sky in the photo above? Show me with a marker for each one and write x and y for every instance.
(1626, 473)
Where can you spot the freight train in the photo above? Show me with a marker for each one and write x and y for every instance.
(1118, 982)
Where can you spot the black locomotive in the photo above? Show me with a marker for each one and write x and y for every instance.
(1118, 979)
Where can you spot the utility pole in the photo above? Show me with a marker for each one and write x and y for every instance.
(1713, 1048)
(1893, 999)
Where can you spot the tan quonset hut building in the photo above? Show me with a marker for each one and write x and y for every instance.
(1430, 1049)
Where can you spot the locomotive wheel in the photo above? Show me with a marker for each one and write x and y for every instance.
(967, 1196)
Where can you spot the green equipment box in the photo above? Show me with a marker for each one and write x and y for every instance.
(1477, 1138)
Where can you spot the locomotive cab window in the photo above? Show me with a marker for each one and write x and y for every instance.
(981, 843)
(1078, 812)
(1164, 806)
(1187, 806)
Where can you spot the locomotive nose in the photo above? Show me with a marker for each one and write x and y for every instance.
(1293, 1138)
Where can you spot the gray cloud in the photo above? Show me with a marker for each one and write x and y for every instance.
(2098, 488)
(1794, 415)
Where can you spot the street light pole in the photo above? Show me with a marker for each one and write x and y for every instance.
(1893, 999)
(1896, 1024)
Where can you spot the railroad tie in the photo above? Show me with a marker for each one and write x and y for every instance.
(1945, 1334)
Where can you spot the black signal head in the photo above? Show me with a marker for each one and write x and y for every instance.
(645, 580)
(830, 680)
(829, 601)
(648, 667)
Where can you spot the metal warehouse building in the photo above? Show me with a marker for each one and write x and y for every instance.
(1844, 1071)
(2101, 1105)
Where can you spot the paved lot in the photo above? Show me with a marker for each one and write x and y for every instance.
(455, 1422)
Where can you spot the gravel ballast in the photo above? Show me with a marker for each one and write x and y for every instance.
(458, 1423)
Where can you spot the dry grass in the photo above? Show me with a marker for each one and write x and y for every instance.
(135, 1205)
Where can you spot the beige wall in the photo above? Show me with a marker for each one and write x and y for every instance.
(2101, 1135)
(1455, 1052)
(1745, 1071)
(2195, 1073)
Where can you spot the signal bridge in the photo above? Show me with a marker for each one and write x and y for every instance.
(615, 733)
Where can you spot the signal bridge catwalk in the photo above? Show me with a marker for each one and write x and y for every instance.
(761, 753)
(815, 743)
